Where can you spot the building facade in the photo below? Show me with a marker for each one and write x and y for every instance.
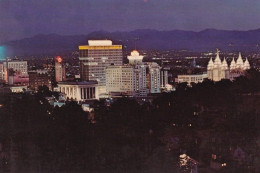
(2, 74)
(95, 57)
(18, 67)
(120, 79)
(164, 78)
(79, 91)
(60, 73)
(193, 78)
(136, 78)
(39, 78)
(153, 77)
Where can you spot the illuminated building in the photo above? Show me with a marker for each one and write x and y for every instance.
(2, 74)
(135, 79)
(193, 78)
(153, 77)
(164, 78)
(15, 72)
(139, 78)
(59, 70)
(39, 78)
(119, 79)
(95, 57)
(79, 91)
(18, 67)
(218, 70)
(18, 89)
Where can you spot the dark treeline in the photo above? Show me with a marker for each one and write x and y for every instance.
(129, 137)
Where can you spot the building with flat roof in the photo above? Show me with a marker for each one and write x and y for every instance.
(119, 79)
(79, 91)
(192, 78)
(19, 67)
(39, 78)
(95, 57)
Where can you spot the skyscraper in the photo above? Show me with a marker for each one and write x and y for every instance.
(95, 57)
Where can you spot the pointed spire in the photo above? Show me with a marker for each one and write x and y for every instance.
(217, 59)
(224, 64)
(233, 64)
(246, 64)
(239, 63)
(210, 64)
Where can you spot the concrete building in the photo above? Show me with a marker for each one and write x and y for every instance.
(140, 86)
(193, 78)
(139, 78)
(120, 80)
(15, 72)
(60, 74)
(164, 78)
(135, 79)
(2, 74)
(19, 67)
(95, 57)
(153, 77)
(79, 91)
(39, 78)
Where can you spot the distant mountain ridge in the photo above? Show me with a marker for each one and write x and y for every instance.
(209, 39)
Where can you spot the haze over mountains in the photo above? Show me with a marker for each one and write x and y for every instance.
(205, 40)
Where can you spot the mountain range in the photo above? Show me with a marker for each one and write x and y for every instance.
(206, 40)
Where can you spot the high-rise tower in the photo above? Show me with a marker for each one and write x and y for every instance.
(95, 57)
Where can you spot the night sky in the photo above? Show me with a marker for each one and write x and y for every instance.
(25, 18)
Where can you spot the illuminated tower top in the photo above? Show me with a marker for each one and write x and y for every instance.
(135, 58)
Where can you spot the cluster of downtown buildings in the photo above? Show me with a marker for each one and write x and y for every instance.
(102, 74)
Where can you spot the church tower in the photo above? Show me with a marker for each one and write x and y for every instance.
(210, 69)
(217, 68)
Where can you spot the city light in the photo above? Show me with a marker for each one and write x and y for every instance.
(59, 59)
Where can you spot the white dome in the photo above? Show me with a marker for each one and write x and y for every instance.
(135, 53)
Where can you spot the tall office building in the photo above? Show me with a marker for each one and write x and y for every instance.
(164, 78)
(135, 79)
(136, 61)
(59, 70)
(95, 57)
(153, 77)
(2, 74)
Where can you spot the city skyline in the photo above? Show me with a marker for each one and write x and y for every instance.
(27, 18)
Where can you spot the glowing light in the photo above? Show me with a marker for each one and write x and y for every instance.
(59, 59)
(2, 52)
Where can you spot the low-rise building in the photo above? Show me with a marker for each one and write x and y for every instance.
(39, 78)
(79, 91)
(192, 78)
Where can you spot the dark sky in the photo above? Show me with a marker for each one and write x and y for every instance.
(25, 18)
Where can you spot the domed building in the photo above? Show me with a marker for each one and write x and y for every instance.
(218, 70)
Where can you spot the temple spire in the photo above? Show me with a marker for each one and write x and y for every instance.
(217, 59)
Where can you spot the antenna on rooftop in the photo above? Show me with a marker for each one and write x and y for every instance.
(135, 39)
